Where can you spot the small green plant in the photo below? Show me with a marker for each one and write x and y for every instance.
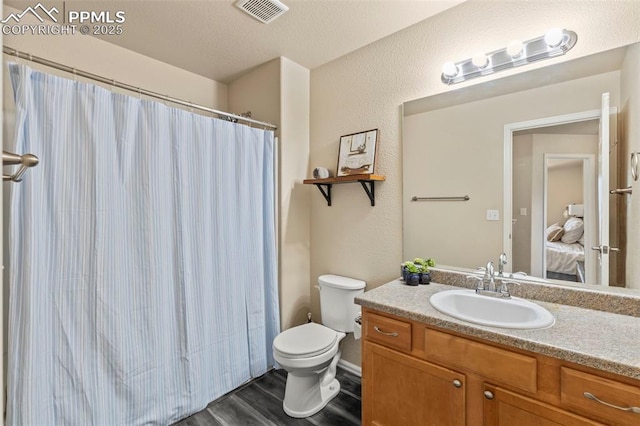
(424, 264)
(412, 268)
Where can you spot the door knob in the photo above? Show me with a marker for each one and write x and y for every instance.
(604, 249)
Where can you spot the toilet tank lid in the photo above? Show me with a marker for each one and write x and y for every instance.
(337, 281)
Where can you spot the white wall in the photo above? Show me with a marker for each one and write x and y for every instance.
(364, 90)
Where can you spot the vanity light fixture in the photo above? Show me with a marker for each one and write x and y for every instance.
(555, 42)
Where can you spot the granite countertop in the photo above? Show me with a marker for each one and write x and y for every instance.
(602, 340)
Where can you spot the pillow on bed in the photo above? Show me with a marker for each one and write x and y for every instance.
(554, 232)
(573, 230)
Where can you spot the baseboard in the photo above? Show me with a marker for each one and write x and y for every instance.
(351, 368)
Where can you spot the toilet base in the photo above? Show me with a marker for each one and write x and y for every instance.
(319, 394)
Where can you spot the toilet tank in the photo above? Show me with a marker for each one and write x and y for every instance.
(336, 301)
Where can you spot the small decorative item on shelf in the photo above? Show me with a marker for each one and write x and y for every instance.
(321, 173)
(357, 153)
(417, 271)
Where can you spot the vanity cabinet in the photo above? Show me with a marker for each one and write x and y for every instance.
(416, 392)
(414, 374)
(504, 408)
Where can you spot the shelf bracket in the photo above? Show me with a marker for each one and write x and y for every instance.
(370, 190)
(326, 194)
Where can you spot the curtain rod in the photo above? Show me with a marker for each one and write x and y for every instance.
(42, 61)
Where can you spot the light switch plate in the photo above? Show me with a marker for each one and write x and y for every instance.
(493, 215)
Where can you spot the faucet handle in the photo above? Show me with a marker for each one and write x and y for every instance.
(479, 283)
(504, 287)
(489, 269)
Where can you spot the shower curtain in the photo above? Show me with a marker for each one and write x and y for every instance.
(142, 256)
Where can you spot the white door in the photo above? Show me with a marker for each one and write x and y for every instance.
(602, 247)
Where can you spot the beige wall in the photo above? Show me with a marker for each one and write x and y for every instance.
(522, 159)
(295, 212)
(564, 187)
(365, 89)
(259, 92)
(278, 92)
(630, 112)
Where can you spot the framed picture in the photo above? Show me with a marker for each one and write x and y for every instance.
(357, 153)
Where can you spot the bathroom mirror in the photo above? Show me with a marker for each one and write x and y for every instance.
(490, 167)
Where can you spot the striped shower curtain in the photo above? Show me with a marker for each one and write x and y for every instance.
(142, 254)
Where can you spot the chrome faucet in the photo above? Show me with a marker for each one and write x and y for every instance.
(487, 285)
(502, 260)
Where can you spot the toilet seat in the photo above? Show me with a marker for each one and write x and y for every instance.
(305, 341)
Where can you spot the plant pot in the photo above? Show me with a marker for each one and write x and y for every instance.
(413, 278)
(403, 272)
(425, 278)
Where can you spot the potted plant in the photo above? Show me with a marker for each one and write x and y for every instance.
(411, 273)
(424, 265)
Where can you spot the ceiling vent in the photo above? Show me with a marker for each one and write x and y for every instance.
(263, 10)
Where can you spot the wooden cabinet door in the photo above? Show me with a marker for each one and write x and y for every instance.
(505, 408)
(404, 391)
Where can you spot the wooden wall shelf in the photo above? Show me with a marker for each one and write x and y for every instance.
(367, 181)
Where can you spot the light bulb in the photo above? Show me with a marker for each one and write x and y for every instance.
(514, 48)
(449, 69)
(480, 60)
(554, 37)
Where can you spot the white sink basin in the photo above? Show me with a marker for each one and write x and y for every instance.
(495, 312)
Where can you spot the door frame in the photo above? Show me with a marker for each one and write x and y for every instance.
(507, 196)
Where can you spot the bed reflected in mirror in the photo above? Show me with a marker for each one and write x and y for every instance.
(564, 237)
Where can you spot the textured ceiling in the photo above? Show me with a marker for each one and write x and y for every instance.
(217, 40)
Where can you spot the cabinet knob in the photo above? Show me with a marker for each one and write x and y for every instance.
(457, 383)
(488, 394)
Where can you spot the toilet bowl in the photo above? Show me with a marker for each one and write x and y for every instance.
(310, 352)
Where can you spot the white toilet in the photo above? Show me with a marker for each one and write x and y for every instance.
(310, 352)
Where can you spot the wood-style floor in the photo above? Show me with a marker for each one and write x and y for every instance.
(259, 403)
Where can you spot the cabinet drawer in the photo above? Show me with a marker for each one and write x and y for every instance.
(498, 365)
(389, 332)
(574, 384)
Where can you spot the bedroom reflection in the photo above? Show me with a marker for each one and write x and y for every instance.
(565, 231)
(555, 172)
